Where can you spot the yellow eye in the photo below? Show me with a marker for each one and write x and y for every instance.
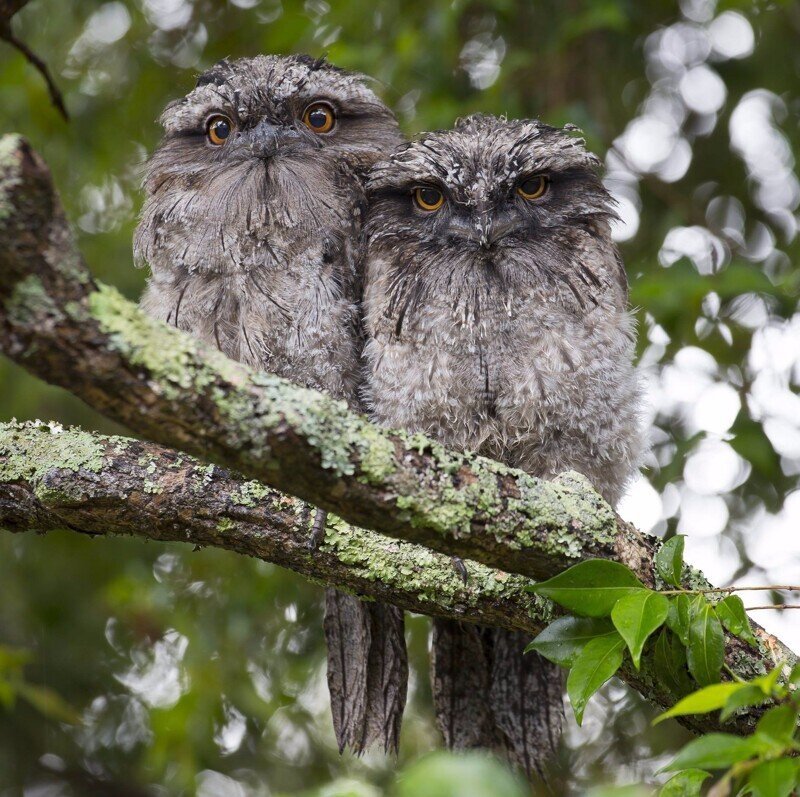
(218, 128)
(428, 198)
(319, 118)
(533, 187)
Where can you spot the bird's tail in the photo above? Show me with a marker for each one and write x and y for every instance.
(367, 671)
(489, 693)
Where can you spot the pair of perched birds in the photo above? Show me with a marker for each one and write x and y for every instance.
(464, 285)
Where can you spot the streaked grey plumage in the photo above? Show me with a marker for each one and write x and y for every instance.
(499, 324)
(252, 240)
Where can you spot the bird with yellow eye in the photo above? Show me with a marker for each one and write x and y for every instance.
(430, 199)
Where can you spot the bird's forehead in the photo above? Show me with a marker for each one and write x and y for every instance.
(483, 155)
(264, 84)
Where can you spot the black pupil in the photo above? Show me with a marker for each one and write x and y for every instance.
(429, 196)
(318, 118)
(221, 128)
(532, 186)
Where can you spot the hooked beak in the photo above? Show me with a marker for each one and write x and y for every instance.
(265, 140)
(484, 230)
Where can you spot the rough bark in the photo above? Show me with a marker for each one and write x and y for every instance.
(61, 325)
(65, 328)
(52, 478)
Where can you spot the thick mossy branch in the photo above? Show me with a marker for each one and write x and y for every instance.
(60, 325)
(52, 478)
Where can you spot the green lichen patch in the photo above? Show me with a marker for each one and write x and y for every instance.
(251, 494)
(428, 575)
(9, 171)
(29, 301)
(175, 360)
(28, 451)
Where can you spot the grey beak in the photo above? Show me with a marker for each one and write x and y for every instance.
(266, 139)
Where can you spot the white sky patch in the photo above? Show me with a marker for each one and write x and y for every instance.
(703, 90)
(641, 504)
(702, 515)
(731, 36)
(714, 468)
(716, 408)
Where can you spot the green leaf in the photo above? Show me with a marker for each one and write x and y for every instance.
(595, 664)
(706, 650)
(679, 617)
(733, 616)
(748, 695)
(565, 638)
(769, 683)
(670, 664)
(710, 698)
(685, 784)
(669, 560)
(590, 588)
(713, 751)
(778, 725)
(773, 778)
(638, 615)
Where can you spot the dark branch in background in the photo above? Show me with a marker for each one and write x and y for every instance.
(62, 326)
(7, 10)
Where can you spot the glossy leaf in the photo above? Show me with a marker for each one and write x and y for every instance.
(669, 560)
(733, 616)
(778, 725)
(714, 751)
(706, 650)
(590, 588)
(773, 778)
(710, 698)
(595, 665)
(679, 617)
(685, 784)
(748, 695)
(636, 617)
(670, 664)
(566, 637)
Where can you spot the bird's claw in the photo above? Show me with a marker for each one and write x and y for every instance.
(461, 569)
(317, 530)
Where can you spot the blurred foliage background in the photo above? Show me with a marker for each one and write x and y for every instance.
(202, 672)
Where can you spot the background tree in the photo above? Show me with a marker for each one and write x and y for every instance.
(194, 671)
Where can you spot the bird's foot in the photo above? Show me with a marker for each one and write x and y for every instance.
(317, 530)
(461, 569)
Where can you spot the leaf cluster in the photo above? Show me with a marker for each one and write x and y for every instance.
(614, 616)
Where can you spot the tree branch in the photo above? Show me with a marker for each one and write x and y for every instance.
(62, 326)
(7, 10)
(51, 478)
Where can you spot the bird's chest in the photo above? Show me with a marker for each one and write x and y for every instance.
(503, 386)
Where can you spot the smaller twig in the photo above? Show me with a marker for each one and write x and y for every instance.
(713, 590)
(55, 94)
(773, 606)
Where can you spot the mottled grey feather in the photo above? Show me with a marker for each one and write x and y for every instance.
(500, 325)
(253, 248)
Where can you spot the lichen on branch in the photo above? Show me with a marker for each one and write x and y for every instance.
(425, 503)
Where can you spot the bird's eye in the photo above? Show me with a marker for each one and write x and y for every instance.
(218, 128)
(428, 198)
(319, 118)
(533, 187)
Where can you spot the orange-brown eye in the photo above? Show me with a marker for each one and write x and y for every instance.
(218, 128)
(533, 187)
(428, 198)
(319, 118)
